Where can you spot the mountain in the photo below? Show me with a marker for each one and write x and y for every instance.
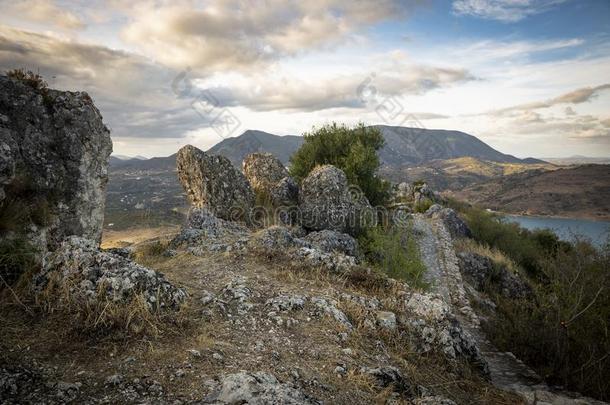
(403, 146)
(236, 149)
(579, 160)
(582, 191)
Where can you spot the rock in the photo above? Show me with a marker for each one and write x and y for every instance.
(456, 226)
(257, 388)
(238, 294)
(275, 240)
(332, 241)
(332, 262)
(204, 229)
(482, 273)
(212, 182)
(326, 202)
(388, 376)
(433, 400)
(436, 328)
(115, 379)
(283, 303)
(330, 307)
(93, 274)
(54, 151)
(386, 320)
(285, 193)
(263, 171)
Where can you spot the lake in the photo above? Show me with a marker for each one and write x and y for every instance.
(566, 228)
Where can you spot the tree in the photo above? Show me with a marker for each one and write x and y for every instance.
(353, 150)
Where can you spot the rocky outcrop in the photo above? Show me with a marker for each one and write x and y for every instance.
(258, 388)
(54, 151)
(455, 225)
(203, 231)
(213, 183)
(331, 241)
(326, 202)
(482, 274)
(434, 326)
(90, 275)
(263, 171)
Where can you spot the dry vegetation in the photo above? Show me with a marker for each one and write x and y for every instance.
(73, 349)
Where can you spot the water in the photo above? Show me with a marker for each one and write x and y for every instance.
(566, 228)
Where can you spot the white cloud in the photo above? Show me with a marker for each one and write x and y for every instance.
(42, 11)
(238, 34)
(503, 10)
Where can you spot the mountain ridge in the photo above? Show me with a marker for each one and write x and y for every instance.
(404, 146)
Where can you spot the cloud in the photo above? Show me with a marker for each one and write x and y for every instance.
(395, 76)
(581, 128)
(133, 93)
(43, 11)
(507, 11)
(578, 96)
(235, 34)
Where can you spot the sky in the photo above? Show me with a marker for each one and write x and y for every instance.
(528, 77)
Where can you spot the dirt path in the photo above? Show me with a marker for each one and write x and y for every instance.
(507, 372)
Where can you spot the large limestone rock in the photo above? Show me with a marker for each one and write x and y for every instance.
(212, 182)
(91, 275)
(263, 170)
(54, 151)
(326, 202)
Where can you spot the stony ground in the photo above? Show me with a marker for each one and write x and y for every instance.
(322, 336)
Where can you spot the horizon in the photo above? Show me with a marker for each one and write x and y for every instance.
(528, 78)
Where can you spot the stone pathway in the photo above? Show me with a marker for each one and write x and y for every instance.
(507, 372)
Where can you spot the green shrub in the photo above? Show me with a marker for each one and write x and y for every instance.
(353, 150)
(423, 205)
(564, 332)
(394, 251)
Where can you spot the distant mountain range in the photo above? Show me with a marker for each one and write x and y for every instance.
(404, 147)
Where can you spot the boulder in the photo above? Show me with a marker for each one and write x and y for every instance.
(455, 225)
(285, 192)
(92, 274)
(258, 388)
(481, 272)
(54, 151)
(263, 171)
(213, 183)
(332, 241)
(389, 377)
(326, 202)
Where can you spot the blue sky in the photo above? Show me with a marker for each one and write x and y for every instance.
(529, 77)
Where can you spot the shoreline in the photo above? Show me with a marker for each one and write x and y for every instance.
(577, 218)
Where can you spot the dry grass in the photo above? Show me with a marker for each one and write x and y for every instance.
(112, 239)
(496, 255)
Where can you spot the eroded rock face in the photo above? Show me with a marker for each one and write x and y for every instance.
(54, 151)
(325, 202)
(481, 273)
(435, 327)
(92, 273)
(212, 182)
(263, 171)
(257, 388)
(331, 241)
(456, 226)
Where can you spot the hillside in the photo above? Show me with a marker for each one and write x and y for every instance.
(455, 174)
(582, 191)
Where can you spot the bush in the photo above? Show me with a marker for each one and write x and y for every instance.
(353, 150)
(34, 80)
(563, 333)
(394, 251)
